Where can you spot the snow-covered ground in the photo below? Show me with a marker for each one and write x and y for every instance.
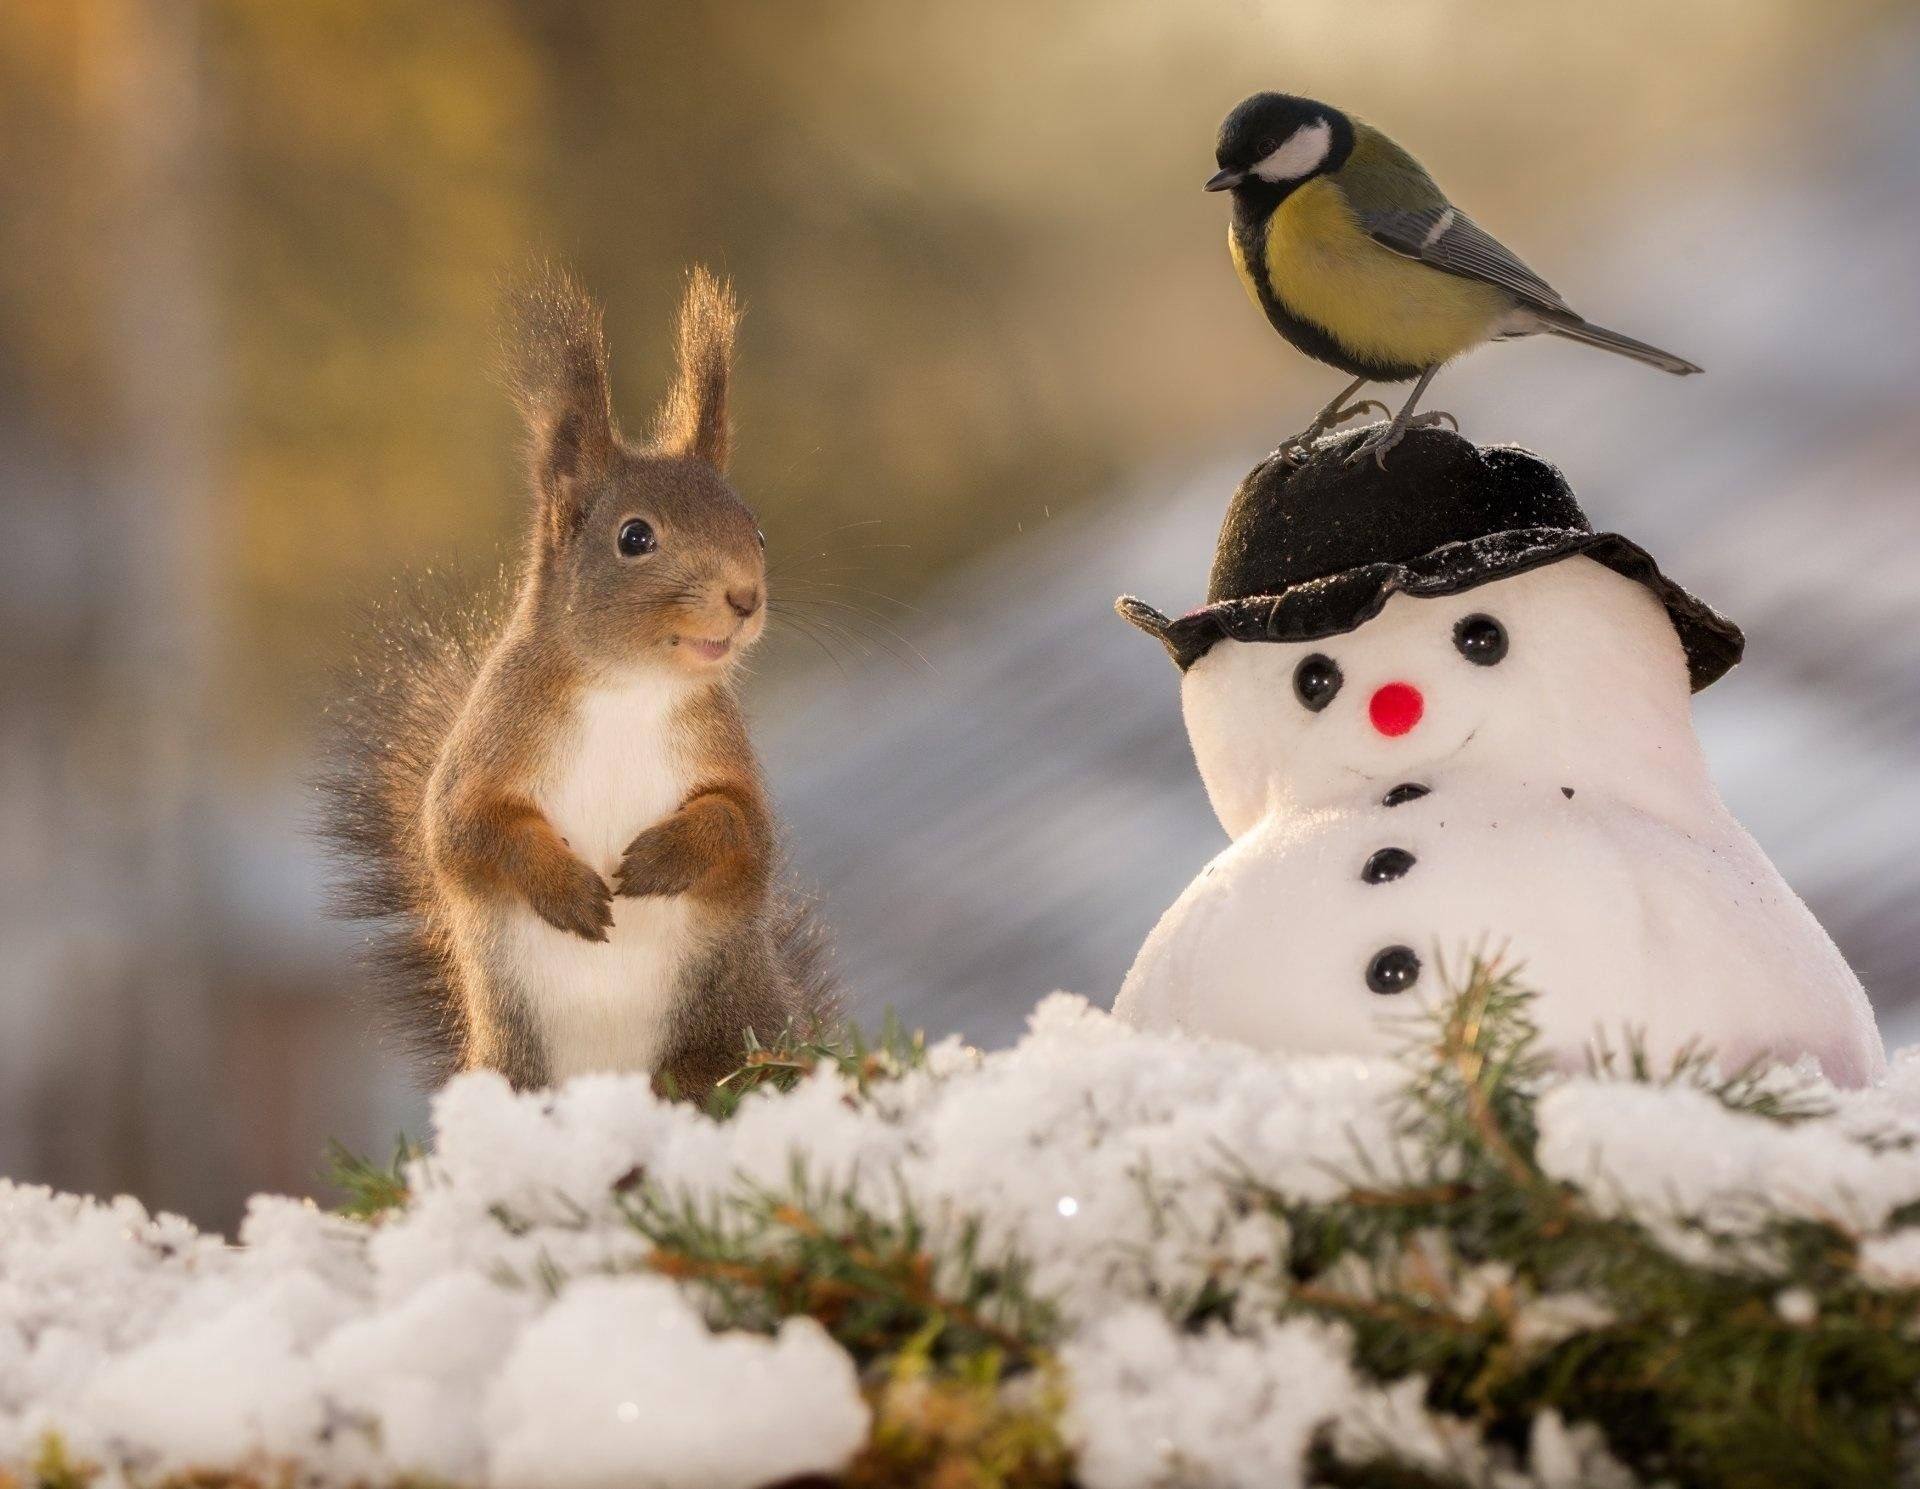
(505, 1327)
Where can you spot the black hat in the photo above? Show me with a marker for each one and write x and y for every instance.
(1315, 549)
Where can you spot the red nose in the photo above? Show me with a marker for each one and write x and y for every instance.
(1396, 708)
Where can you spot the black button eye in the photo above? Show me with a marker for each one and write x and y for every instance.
(1315, 681)
(636, 537)
(1393, 970)
(1387, 865)
(1481, 639)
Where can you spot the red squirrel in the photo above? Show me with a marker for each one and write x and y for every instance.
(560, 817)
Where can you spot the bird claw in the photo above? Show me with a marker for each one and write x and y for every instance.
(1298, 450)
(1334, 418)
(1382, 440)
(1375, 445)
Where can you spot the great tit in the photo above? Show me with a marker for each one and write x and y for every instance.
(1360, 261)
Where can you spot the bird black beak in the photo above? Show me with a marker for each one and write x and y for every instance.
(1225, 180)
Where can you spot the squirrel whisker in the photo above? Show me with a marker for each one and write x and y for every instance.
(862, 613)
(854, 589)
(794, 623)
(866, 642)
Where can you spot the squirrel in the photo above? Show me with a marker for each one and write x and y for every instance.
(559, 819)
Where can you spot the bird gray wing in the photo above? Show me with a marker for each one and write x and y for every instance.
(1442, 235)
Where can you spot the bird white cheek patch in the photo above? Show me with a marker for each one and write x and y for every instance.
(1306, 148)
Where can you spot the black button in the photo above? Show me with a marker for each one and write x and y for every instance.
(1481, 639)
(1401, 795)
(1315, 681)
(1387, 865)
(1393, 970)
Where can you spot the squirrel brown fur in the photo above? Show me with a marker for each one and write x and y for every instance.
(557, 816)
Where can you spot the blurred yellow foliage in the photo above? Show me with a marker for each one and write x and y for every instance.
(980, 279)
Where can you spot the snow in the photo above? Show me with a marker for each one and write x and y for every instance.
(505, 1328)
(1618, 1141)
(417, 1368)
(620, 1385)
(1394, 1422)
(1154, 1406)
(240, 1382)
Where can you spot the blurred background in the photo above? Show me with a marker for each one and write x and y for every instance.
(995, 370)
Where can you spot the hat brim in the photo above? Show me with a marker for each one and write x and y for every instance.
(1341, 602)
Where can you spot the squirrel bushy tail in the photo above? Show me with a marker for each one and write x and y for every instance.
(805, 953)
(390, 714)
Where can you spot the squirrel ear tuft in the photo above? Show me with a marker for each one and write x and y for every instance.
(556, 367)
(693, 420)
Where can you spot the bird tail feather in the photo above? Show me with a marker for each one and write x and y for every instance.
(1575, 329)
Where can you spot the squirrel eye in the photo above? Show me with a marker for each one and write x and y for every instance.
(761, 535)
(636, 537)
(1315, 681)
(1481, 639)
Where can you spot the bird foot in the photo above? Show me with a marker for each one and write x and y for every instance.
(1387, 436)
(1299, 449)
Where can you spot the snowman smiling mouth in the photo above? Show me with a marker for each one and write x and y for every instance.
(1400, 770)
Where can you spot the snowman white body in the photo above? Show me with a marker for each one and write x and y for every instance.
(1569, 824)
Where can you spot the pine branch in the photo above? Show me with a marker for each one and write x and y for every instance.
(876, 1283)
(790, 1059)
(372, 1190)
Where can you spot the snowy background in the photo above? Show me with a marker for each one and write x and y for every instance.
(249, 260)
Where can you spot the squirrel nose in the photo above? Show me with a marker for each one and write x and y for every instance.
(743, 601)
(1396, 708)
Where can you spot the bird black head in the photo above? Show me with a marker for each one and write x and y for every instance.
(1272, 142)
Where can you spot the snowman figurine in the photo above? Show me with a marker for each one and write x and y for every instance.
(1439, 715)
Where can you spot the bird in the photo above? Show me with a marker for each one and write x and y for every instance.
(1355, 256)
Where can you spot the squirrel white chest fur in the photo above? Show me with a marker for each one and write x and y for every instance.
(621, 766)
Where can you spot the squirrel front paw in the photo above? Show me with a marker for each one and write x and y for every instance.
(655, 863)
(572, 897)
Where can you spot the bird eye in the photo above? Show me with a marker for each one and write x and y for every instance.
(636, 537)
(1481, 639)
(1315, 681)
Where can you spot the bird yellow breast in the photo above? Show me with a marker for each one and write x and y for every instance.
(1380, 304)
